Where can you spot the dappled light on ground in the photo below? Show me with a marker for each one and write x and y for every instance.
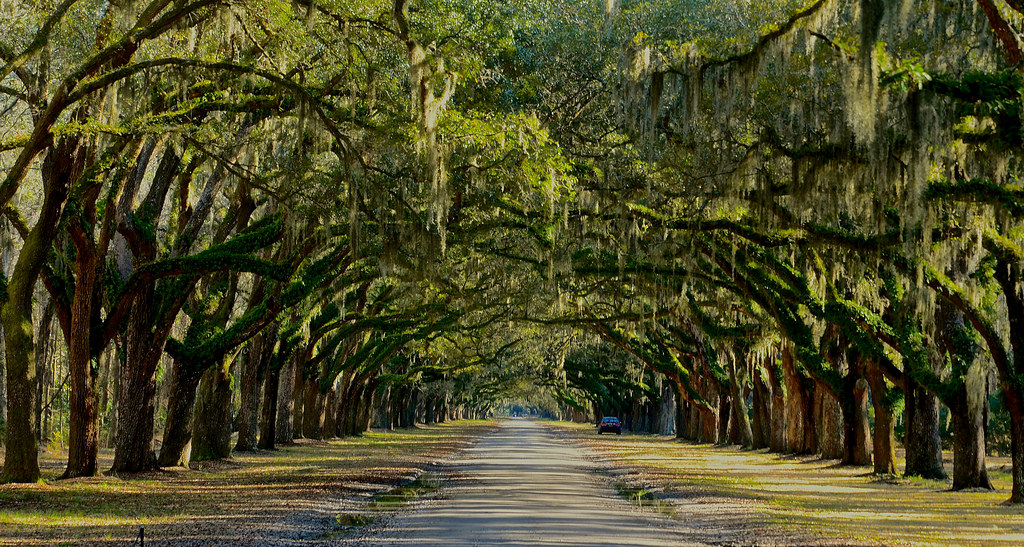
(258, 498)
(816, 497)
(522, 486)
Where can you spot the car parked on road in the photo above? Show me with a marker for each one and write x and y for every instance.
(610, 424)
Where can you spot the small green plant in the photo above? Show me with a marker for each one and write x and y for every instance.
(645, 499)
(353, 519)
(396, 497)
(346, 523)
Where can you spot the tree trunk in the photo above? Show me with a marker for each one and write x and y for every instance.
(44, 373)
(341, 422)
(115, 396)
(211, 421)
(692, 422)
(253, 372)
(1017, 450)
(1008, 274)
(250, 387)
(923, 443)
(283, 433)
(708, 432)
(362, 396)
(724, 417)
(446, 413)
(969, 470)
(268, 417)
(741, 433)
(21, 460)
(680, 412)
(396, 412)
(382, 419)
(3, 371)
(344, 413)
(811, 441)
(313, 411)
(298, 398)
(331, 407)
(411, 404)
(429, 418)
(794, 404)
(856, 430)
(401, 408)
(102, 386)
(367, 403)
(778, 441)
(830, 428)
(136, 404)
(47, 392)
(83, 419)
(884, 453)
(177, 446)
(761, 427)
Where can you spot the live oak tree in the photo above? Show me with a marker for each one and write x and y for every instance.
(414, 207)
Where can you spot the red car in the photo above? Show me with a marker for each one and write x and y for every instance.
(610, 424)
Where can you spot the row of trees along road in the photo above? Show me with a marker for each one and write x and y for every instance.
(798, 220)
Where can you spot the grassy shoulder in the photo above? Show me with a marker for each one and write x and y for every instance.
(296, 487)
(809, 497)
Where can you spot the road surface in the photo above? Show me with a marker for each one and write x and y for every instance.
(520, 485)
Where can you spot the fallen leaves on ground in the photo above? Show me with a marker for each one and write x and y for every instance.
(283, 497)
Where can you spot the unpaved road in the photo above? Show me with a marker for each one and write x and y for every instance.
(520, 485)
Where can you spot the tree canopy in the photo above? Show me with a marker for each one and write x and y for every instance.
(744, 221)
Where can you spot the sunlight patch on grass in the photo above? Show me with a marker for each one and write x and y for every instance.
(219, 496)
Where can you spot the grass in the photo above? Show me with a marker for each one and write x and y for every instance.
(394, 499)
(809, 497)
(645, 499)
(222, 500)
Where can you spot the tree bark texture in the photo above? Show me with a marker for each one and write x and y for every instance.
(923, 442)
(778, 441)
(884, 449)
(137, 402)
(283, 433)
(830, 425)
(856, 429)
(708, 432)
(252, 374)
(811, 441)
(44, 373)
(741, 431)
(1017, 456)
(83, 419)
(969, 470)
(346, 393)
(331, 414)
(298, 398)
(177, 446)
(761, 425)
(21, 463)
(680, 413)
(268, 414)
(21, 460)
(795, 404)
(1008, 274)
(365, 409)
(313, 410)
(211, 420)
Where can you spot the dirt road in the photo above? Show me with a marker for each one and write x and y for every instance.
(522, 486)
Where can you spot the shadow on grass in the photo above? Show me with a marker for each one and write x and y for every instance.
(224, 499)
